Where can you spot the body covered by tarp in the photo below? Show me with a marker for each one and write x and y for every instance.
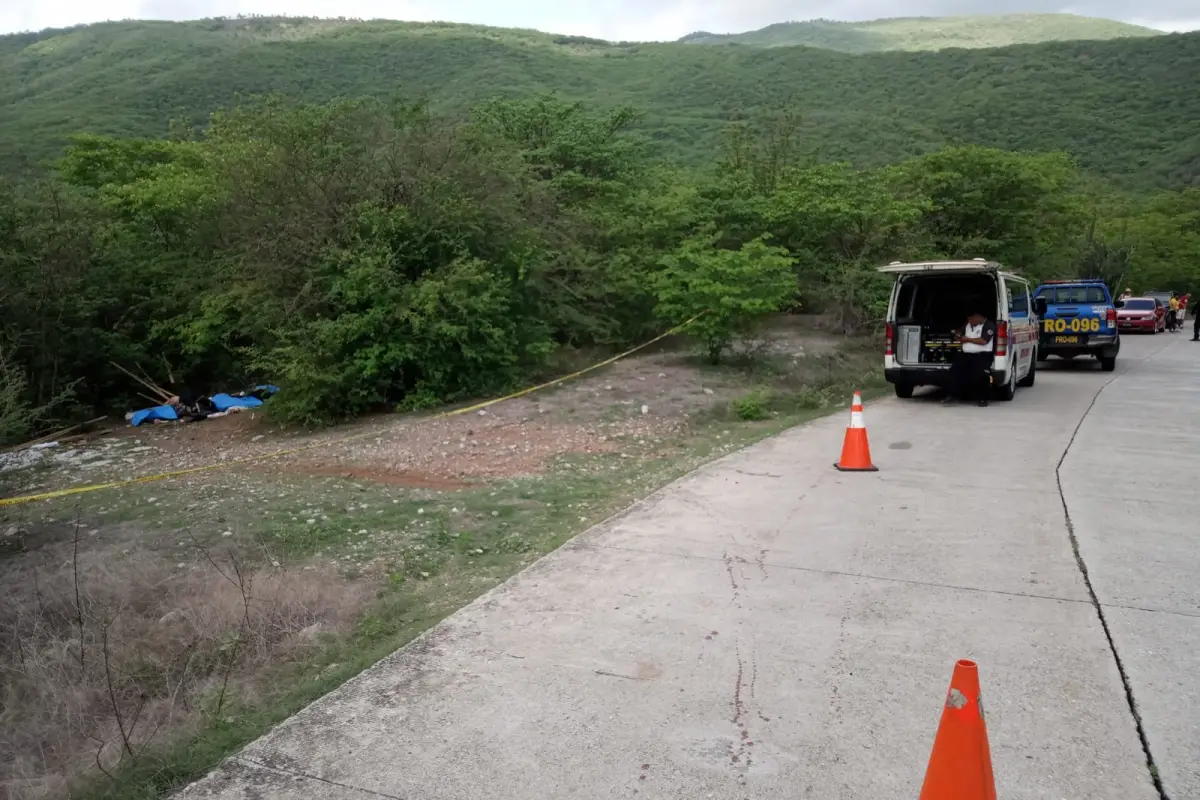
(224, 402)
(152, 414)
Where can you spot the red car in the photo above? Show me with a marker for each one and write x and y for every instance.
(1145, 314)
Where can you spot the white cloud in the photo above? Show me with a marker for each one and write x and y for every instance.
(26, 16)
(1174, 26)
(609, 19)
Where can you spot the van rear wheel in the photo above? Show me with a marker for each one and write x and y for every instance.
(1031, 376)
(904, 390)
(1009, 390)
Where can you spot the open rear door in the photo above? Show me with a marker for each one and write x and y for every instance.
(919, 267)
(924, 338)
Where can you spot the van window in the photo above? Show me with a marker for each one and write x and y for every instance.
(1018, 300)
(904, 301)
(942, 302)
(1073, 295)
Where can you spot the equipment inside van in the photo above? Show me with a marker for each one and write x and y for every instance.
(930, 308)
(931, 301)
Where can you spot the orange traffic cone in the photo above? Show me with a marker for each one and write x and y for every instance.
(960, 767)
(856, 453)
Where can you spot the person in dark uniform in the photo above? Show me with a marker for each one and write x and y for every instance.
(969, 373)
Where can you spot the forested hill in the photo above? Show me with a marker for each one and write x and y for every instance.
(928, 33)
(1126, 108)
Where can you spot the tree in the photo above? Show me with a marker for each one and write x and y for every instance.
(578, 152)
(1162, 234)
(17, 416)
(1016, 208)
(760, 152)
(729, 292)
(839, 224)
(367, 254)
(1112, 263)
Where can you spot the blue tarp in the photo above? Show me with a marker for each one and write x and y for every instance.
(151, 414)
(269, 388)
(224, 402)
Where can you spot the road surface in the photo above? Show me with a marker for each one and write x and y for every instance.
(768, 627)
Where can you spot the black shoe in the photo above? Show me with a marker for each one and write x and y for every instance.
(983, 403)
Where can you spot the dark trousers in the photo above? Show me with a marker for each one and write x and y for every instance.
(1196, 324)
(969, 376)
(1172, 318)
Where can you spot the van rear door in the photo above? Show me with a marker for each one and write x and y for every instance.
(926, 267)
(902, 269)
(924, 309)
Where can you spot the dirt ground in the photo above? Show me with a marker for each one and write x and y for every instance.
(641, 399)
(134, 616)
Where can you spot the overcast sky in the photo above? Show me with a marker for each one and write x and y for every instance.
(607, 19)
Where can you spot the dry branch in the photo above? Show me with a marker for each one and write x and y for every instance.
(78, 601)
(151, 381)
(162, 393)
(83, 436)
(55, 435)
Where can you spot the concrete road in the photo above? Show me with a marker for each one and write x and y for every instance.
(1131, 482)
(768, 627)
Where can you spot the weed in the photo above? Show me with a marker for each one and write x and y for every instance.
(752, 407)
(305, 540)
(104, 654)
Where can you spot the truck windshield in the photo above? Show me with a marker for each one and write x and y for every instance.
(1073, 295)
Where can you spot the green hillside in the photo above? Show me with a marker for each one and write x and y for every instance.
(929, 33)
(1127, 108)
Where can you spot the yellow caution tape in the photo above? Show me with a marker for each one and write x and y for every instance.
(96, 487)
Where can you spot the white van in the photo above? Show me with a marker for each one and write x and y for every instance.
(931, 300)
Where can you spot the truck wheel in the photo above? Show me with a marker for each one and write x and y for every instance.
(904, 390)
(1028, 380)
(1108, 364)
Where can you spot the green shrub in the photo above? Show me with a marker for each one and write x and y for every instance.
(753, 407)
(728, 292)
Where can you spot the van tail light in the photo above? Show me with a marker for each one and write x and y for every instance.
(1002, 339)
(1111, 317)
(889, 342)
